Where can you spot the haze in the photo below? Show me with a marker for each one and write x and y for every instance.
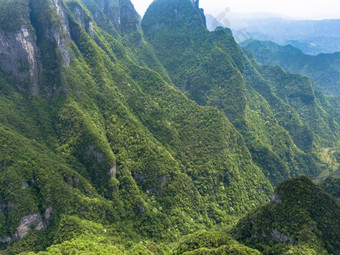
(301, 9)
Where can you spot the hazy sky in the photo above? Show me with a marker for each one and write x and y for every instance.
(305, 9)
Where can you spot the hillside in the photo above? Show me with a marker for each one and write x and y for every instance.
(121, 137)
(89, 135)
(212, 70)
(300, 219)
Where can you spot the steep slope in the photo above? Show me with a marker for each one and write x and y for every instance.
(89, 137)
(324, 69)
(210, 68)
(297, 93)
(332, 186)
(300, 219)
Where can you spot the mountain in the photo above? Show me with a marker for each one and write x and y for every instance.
(121, 136)
(212, 22)
(90, 137)
(300, 219)
(212, 70)
(324, 69)
(237, 20)
(311, 36)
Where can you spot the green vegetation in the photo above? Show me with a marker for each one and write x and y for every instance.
(204, 242)
(332, 186)
(141, 146)
(324, 69)
(299, 215)
(212, 70)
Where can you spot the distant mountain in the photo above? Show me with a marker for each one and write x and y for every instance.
(311, 36)
(212, 22)
(324, 69)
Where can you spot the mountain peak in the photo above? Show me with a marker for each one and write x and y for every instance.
(173, 13)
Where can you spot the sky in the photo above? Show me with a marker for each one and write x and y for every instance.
(301, 9)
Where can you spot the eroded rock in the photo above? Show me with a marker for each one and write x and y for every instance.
(275, 198)
(32, 221)
(20, 58)
(281, 238)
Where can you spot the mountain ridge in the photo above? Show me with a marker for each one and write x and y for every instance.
(104, 149)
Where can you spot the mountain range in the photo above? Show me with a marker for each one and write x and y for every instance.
(324, 69)
(121, 136)
(313, 37)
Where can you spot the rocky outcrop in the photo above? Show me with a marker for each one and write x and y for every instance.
(83, 19)
(275, 199)
(29, 222)
(281, 238)
(113, 171)
(20, 49)
(61, 35)
(121, 14)
(91, 153)
(32, 221)
(20, 58)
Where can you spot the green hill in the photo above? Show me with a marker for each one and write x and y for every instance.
(300, 219)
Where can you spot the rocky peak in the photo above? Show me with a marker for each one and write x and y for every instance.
(174, 13)
(121, 14)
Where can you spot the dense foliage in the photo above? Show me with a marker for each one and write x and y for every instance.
(212, 70)
(299, 215)
(113, 144)
(324, 69)
(332, 186)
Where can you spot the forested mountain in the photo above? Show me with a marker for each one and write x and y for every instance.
(212, 70)
(120, 136)
(324, 69)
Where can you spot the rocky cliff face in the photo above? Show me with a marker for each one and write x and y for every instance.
(20, 58)
(21, 48)
(27, 51)
(121, 14)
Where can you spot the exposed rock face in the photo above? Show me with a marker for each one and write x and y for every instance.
(275, 199)
(60, 36)
(20, 51)
(121, 14)
(281, 238)
(91, 153)
(83, 19)
(32, 221)
(20, 58)
(48, 215)
(113, 171)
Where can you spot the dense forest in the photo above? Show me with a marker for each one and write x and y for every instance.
(156, 136)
